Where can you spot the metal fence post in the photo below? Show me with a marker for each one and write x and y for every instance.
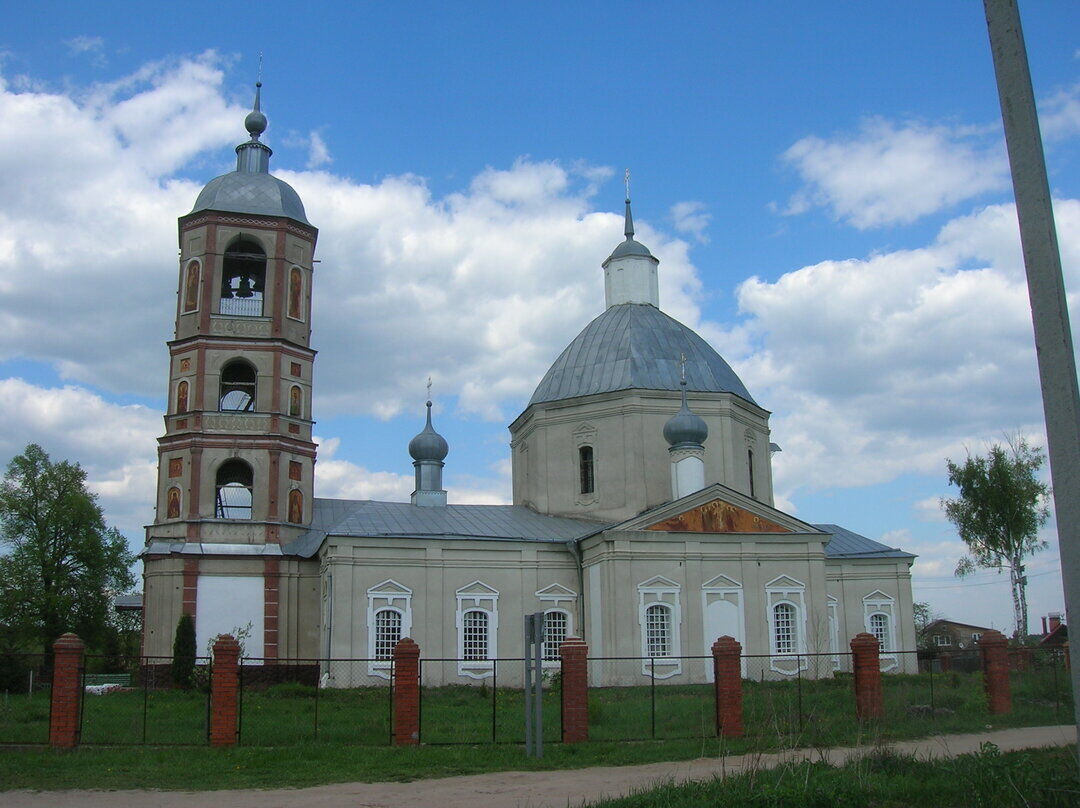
(494, 691)
(318, 683)
(933, 708)
(145, 705)
(652, 692)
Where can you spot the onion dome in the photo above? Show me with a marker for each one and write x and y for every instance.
(685, 428)
(251, 188)
(629, 246)
(429, 444)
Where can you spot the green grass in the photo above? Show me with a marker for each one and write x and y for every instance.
(1046, 778)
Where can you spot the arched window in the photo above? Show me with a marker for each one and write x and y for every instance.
(784, 638)
(296, 506)
(296, 402)
(182, 397)
(658, 631)
(585, 469)
(475, 635)
(387, 632)
(243, 279)
(172, 508)
(750, 468)
(296, 293)
(555, 629)
(233, 486)
(879, 627)
(191, 287)
(238, 387)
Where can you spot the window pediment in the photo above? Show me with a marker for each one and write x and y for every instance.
(721, 582)
(477, 588)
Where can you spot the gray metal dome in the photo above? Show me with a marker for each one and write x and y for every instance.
(636, 346)
(685, 428)
(429, 444)
(258, 193)
(630, 247)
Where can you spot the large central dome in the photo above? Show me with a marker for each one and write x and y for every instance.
(636, 346)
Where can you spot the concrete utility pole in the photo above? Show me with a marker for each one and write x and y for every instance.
(1046, 290)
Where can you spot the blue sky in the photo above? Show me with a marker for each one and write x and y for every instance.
(824, 183)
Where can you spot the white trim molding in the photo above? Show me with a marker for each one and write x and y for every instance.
(662, 592)
(833, 622)
(386, 596)
(477, 597)
(879, 616)
(786, 590)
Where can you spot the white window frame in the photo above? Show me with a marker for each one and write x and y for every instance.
(477, 596)
(833, 623)
(662, 591)
(722, 587)
(877, 602)
(976, 636)
(557, 598)
(942, 640)
(396, 597)
(785, 589)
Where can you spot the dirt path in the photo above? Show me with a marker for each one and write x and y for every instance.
(551, 789)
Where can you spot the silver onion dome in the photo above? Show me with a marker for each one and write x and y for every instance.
(429, 444)
(685, 428)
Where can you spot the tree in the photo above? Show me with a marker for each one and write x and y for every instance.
(62, 565)
(1002, 505)
(183, 652)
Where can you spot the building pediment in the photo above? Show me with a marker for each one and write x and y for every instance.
(717, 509)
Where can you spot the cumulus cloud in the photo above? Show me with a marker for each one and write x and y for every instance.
(443, 286)
(113, 443)
(1059, 115)
(318, 153)
(886, 365)
(691, 217)
(889, 173)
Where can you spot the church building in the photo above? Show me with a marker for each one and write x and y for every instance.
(642, 516)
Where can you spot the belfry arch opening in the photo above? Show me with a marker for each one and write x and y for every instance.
(243, 278)
(239, 384)
(233, 487)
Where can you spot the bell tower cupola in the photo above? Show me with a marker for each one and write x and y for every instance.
(630, 270)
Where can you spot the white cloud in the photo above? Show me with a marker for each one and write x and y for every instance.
(891, 173)
(318, 153)
(113, 443)
(92, 45)
(442, 286)
(1059, 115)
(889, 364)
(690, 217)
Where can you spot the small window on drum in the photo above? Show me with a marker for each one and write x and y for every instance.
(586, 467)
(233, 486)
(238, 387)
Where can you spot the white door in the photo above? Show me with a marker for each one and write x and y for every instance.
(722, 618)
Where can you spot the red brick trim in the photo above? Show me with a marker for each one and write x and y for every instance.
(574, 653)
(727, 682)
(995, 664)
(271, 606)
(65, 713)
(866, 665)
(224, 691)
(406, 693)
(191, 586)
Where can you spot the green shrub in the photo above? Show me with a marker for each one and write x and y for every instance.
(183, 662)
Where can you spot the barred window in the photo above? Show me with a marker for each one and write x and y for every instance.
(879, 627)
(387, 632)
(658, 631)
(784, 628)
(555, 626)
(475, 635)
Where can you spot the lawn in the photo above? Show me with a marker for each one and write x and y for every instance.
(1045, 777)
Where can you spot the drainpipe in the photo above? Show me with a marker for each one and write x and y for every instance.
(574, 546)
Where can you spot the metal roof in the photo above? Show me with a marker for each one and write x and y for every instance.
(251, 192)
(636, 346)
(336, 517)
(847, 544)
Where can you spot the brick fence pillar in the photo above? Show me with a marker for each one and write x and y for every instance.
(406, 693)
(866, 665)
(995, 664)
(67, 692)
(727, 683)
(574, 653)
(224, 691)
